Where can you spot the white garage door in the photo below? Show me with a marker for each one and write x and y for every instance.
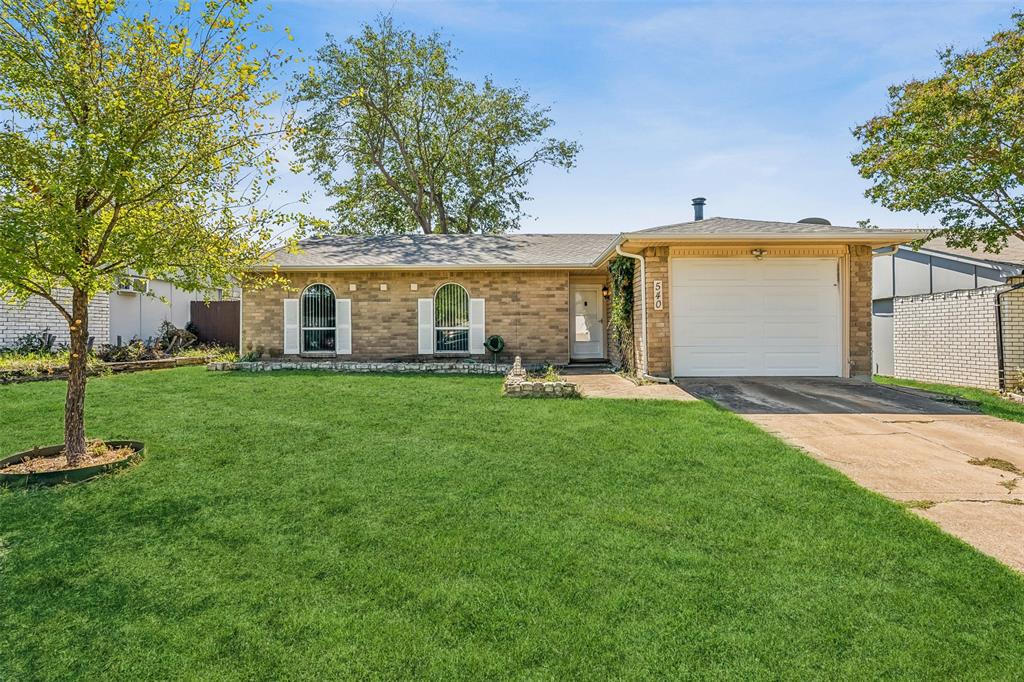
(745, 317)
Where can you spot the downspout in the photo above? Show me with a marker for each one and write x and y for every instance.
(643, 315)
(1001, 364)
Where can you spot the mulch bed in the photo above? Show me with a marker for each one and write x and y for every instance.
(96, 453)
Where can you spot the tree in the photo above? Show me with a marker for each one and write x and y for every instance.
(132, 144)
(427, 151)
(954, 144)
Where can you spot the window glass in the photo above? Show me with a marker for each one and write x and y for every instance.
(451, 319)
(318, 323)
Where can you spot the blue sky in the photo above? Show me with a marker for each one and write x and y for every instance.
(748, 104)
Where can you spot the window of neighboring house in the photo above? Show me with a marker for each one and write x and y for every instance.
(132, 285)
(318, 324)
(451, 319)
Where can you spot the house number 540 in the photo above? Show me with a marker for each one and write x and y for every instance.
(659, 301)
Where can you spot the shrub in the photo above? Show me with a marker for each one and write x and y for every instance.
(621, 319)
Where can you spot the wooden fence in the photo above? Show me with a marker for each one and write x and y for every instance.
(217, 321)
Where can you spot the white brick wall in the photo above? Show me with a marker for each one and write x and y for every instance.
(1012, 304)
(38, 314)
(947, 338)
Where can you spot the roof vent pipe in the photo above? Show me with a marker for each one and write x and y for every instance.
(698, 208)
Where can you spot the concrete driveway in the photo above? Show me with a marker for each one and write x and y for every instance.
(959, 468)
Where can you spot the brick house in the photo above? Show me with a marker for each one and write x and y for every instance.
(715, 297)
(949, 315)
(37, 315)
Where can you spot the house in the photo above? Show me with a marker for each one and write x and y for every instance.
(722, 297)
(135, 309)
(37, 316)
(948, 326)
(138, 306)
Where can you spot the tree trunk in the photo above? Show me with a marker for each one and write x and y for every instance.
(74, 406)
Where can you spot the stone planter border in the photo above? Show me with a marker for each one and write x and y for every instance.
(47, 478)
(542, 389)
(347, 366)
(519, 385)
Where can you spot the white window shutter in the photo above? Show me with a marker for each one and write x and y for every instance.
(343, 326)
(425, 310)
(291, 326)
(476, 326)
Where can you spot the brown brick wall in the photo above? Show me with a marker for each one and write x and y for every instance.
(659, 325)
(659, 344)
(530, 309)
(860, 310)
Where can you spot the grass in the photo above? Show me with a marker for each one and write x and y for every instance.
(38, 362)
(988, 401)
(294, 525)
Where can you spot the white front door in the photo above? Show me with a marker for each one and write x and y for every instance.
(586, 326)
(747, 317)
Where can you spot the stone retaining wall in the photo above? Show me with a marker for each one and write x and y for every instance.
(363, 367)
(542, 389)
(519, 385)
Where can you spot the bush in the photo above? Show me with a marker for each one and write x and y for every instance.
(32, 343)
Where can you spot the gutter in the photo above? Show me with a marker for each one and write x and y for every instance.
(878, 238)
(643, 314)
(423, 267)
(1001, 364)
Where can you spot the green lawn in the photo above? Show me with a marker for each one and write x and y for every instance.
(988, 401)
(324, 526)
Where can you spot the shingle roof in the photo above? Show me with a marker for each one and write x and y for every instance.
(444, 250)
(742, 227)
(544, 250)
(1013, 254)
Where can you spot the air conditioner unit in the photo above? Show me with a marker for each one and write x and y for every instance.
(132, 286)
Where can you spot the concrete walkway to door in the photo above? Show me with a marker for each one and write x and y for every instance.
(961, 469)
(601, 382)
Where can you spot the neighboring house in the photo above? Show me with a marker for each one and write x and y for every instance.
(722, 297)
(925, 274)
(37, 315)
(136, 309)
(139, 306)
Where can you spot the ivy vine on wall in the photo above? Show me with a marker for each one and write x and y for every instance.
(621, 270)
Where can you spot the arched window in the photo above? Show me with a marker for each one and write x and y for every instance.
(451, 319)
(318, 323)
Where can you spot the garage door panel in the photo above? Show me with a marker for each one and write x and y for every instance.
(717, 272)
(739, 316)
(711, 302)
(792, 363)
(797, 334)
(798, 301)
(711, 331)
(710, 363)
(800, 270)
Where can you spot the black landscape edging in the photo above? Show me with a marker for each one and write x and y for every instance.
(67, 475)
